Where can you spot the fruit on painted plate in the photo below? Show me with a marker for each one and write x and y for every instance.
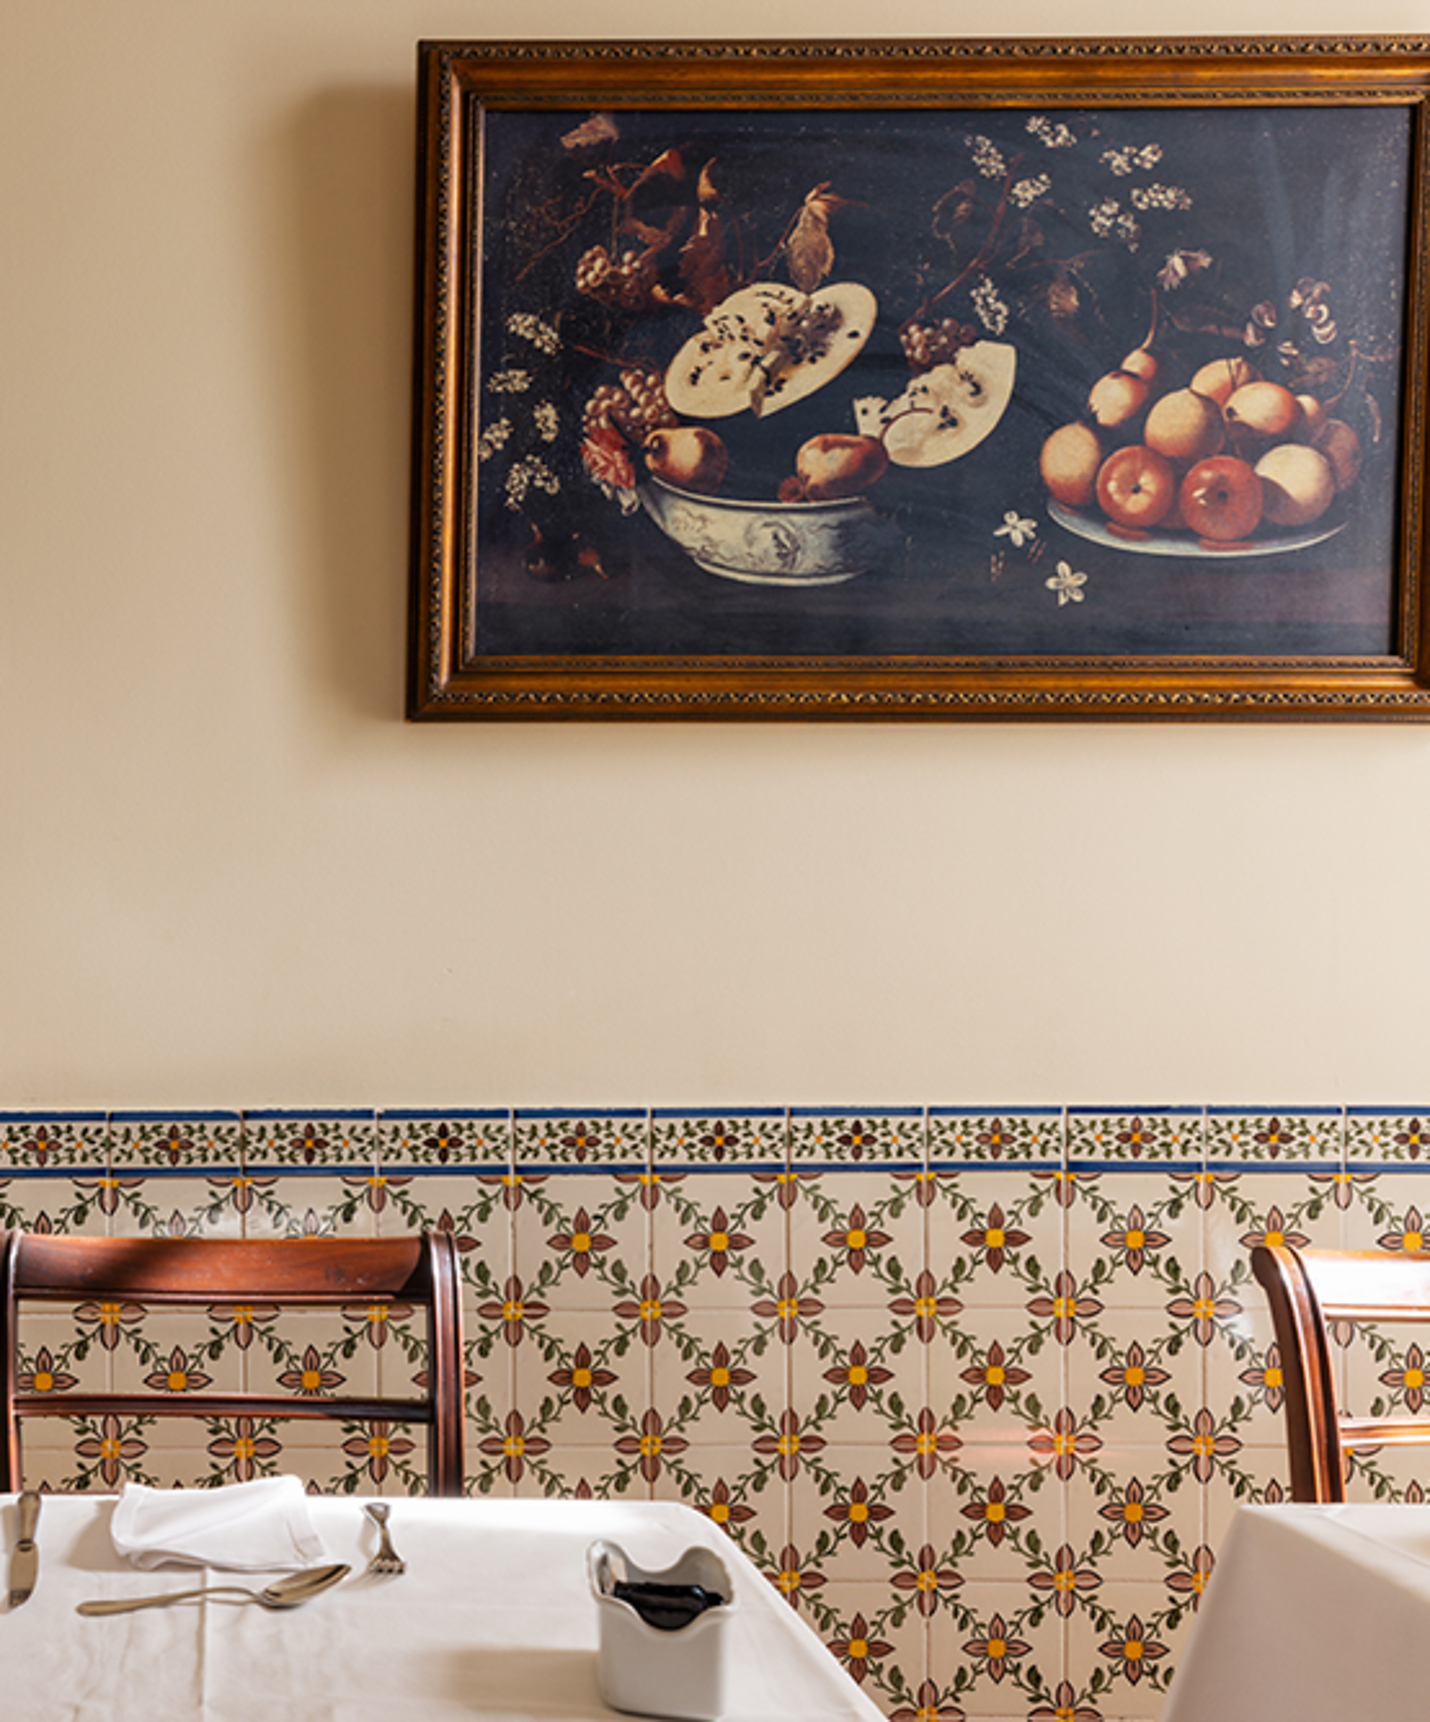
(1221, 378)
(1313, 418)
(1341, 447)
(1261, 412)
(1141, 362)
(1116, 398)
(767, 346)
(1297, 484)
(1220, 499)
(1136, 487)
(1069, 463)
(834, 465)
(1185, 426)
(1242, 452)
(1172, 520)
(689, 457)
(945, 412)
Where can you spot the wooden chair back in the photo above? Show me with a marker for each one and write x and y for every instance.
(195, 1272)
(1309, 1291)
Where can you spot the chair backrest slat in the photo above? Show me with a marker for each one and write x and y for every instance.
(419, 1270)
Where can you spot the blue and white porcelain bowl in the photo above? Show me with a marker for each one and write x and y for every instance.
(774, 543)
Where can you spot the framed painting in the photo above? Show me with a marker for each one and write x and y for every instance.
(921, 380)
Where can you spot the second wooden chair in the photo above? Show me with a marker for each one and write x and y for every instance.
(196, 1272)
(1308, 1291)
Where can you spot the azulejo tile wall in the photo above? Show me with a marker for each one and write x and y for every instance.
(978, 1389)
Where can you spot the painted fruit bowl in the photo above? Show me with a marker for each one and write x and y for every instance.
(773, 543)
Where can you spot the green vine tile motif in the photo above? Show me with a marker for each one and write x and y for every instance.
(287, 1206)
(380, 1455)
(110, 1451)
(175, 1141)
(563, 1138)
(80, 1202)
(1275, 1136)
(858, 1236)
(959, 1135)
(34, 1141)
(1388, 1136)
(728, 1138)
(995, 1240)
(189, 1205)
(1147, 1135)
(239, 1449)
(1137, 1222)
(834, 1137)
(308, 1139)
(440, 1139)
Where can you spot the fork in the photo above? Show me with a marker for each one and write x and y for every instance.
(387, 1559)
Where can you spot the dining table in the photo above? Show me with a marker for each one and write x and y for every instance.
(493, 1617)
(1321, 1613)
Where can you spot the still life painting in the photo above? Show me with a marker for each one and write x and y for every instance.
(793, 401)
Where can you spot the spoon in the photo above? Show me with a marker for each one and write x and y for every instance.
(282, 1593)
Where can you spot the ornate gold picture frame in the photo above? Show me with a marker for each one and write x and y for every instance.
(904, 380)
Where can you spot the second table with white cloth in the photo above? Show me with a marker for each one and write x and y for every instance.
(493, 1620)
(1320, 1613)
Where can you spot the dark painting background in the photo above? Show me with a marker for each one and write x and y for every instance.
(1277, 196)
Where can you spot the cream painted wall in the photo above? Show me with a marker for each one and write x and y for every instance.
(232, 876)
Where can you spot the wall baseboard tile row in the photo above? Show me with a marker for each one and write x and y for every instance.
(979, 1389)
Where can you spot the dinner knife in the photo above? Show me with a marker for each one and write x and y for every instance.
(25, 1559)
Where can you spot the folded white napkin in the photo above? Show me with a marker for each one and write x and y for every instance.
(244, 1527)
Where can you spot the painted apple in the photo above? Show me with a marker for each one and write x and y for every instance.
(689, 457)
(1136, 487)
(1221, 499)
(835, 465)
(1297, 484)
(1313, 418)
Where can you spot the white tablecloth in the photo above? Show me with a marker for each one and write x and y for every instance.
(1316, 1613)
(493, 1619)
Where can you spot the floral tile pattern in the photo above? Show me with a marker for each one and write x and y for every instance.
(1276, 1135)
(979, 1390)
(837, 1137)
(1380, 1136)
(967, 1136)
(720, 1138)
(176, 1142)
(326, 1139)
(1147, 1134)
(460, 1138)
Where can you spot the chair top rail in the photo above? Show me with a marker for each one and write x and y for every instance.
(215, 1270)
(222, 1405)
(202, 1297)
